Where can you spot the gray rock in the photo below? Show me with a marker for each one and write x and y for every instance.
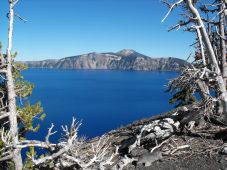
(138, 152)
(148, 158)
(122, 60)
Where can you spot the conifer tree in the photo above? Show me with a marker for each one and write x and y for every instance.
(15, 120)
(207, 74)
(17, 117)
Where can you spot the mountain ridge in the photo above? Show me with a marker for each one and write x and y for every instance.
(126, 59)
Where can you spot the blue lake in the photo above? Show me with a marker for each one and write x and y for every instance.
(102, 99)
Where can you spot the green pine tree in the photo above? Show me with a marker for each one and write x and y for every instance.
(182, 95)
(26, 112)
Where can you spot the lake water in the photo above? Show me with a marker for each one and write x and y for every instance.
(102, 99)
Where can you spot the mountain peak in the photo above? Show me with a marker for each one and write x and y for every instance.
(126, 52)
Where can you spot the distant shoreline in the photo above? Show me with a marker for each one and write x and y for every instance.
(103, 69)
(122, 60)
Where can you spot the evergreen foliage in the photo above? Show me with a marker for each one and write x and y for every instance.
(26, 112)
(182, 97)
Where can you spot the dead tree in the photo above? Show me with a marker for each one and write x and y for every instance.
(68, 152)
(208, 22)
(16, 153)
(205, 74)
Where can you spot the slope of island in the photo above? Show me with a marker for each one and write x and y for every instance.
(126, 59)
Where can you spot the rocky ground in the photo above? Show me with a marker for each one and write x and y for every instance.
(180, 139)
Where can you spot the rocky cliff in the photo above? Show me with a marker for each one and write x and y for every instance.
(122, 60)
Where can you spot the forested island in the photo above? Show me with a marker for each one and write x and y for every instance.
(126, 59)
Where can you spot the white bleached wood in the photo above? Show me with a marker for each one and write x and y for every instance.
(11, 93)
(171, 8)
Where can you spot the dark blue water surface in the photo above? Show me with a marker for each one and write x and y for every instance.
(103, 100)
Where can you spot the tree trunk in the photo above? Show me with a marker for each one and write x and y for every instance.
(223, 97)
(204, 90)
(222, 42)
(211, 55)
(12, 96)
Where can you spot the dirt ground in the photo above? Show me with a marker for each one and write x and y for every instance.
(192, 163)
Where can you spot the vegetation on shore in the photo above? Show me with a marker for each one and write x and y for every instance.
(188, 131)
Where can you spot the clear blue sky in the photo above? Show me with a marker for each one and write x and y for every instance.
(61, 28)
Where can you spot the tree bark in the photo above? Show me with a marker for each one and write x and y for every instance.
(11, 95)
(204, 90)
(223, 46)
(223, 58)
(211, 55)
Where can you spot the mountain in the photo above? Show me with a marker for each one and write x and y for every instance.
(126, 59)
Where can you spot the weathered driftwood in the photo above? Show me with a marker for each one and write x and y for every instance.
(146, 141)
(152, 139)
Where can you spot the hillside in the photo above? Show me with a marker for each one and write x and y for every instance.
(123, 60)
(165, 142)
